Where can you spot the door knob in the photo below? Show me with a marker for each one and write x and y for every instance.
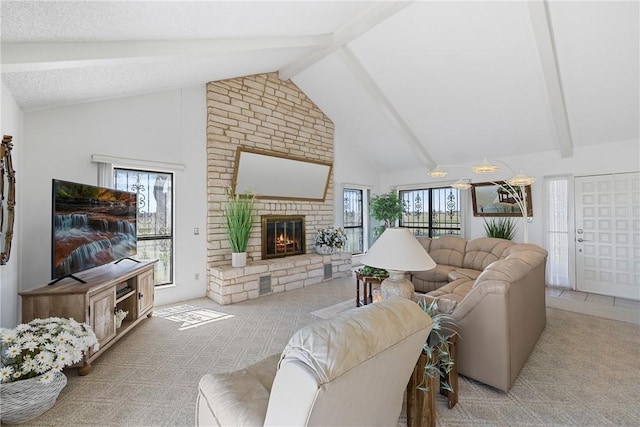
(581, 240)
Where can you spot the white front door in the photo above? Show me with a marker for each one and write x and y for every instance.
(608, 234)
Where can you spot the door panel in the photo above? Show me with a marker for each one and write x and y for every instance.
(608, 234)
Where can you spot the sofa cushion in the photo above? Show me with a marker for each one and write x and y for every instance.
(454, 291)
(429, 280)
(240, 397)
(483, 251)
(463, 273)
(448, 250)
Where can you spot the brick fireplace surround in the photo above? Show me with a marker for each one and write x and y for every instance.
(265, 113)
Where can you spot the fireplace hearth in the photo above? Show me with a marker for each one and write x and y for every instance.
(282, 236)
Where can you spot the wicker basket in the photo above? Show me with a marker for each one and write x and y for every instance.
(23, 400)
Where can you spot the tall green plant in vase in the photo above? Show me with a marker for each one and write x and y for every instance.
(239, 211)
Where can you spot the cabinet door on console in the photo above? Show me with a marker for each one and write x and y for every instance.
(145, 292)
(101, 317)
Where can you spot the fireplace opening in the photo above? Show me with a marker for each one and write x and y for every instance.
(282, 235)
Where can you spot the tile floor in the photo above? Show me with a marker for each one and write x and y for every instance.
(615, 308)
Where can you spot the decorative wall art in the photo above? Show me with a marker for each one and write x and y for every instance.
(7, 198)
(499, 199)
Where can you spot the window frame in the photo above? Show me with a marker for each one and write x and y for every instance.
(171, 237)
(430, 197)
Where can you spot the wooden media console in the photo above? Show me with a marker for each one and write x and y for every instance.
(126, 285)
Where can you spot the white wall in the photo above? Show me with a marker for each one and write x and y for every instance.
(350, 167)
(161, 127)
(12, 124)
(588, 160)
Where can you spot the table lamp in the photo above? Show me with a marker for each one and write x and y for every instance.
(398, 251)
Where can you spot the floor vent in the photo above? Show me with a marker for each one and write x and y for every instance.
(265, 285)
(328, 271)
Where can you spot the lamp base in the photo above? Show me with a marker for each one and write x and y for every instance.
(397, 285)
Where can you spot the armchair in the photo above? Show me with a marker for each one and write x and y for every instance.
(351, 370)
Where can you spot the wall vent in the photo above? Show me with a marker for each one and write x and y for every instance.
(264, 285)
(328, 271)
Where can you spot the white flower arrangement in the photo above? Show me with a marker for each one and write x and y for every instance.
(43, 347)
(331, 237)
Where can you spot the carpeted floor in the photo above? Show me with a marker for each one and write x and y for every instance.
(584, 371)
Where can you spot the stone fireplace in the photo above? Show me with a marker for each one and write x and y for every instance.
(266, 114)
(282, 236)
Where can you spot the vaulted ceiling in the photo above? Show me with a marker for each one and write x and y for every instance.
(408, 84)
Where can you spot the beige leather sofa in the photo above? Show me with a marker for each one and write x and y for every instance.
(494, 290)
(351, 370)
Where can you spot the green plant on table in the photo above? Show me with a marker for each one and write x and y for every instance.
(238, 212)
(502, 228)
(376, 273)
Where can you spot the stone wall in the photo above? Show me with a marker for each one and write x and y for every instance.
(264, 113)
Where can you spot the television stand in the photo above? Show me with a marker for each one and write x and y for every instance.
(96, 302)
(129, 258)
(71, 276)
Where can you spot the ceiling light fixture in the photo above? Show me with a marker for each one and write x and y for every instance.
(438, 173)
(462, 184)
(520, 180)
(485, 168)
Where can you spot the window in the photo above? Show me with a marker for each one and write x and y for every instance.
(557, 223)
(155, 216)
(431, 212)
(353, 220)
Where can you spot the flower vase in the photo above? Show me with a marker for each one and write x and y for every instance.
(26, 399)
(325, 250)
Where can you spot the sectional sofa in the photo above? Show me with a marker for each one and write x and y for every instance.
(494, 291)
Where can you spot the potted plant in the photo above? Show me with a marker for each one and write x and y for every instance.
(502, 228)
(238, 212)
(386, 208)
(439, 360)
(376, 273)
(32, 356)
(328, 240)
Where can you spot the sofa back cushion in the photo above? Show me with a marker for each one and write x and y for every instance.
(448, 250)
(483, 251)
(351, 369)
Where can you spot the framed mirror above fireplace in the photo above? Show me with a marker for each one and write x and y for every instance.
(270, 175)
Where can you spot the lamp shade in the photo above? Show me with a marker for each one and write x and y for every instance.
(398, 249)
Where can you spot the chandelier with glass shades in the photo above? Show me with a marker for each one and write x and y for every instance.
(519, 180)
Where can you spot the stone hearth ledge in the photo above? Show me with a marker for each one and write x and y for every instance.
(227, 285)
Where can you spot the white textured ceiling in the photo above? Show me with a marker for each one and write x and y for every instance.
(408, 84)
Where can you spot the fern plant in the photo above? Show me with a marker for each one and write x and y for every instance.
(238, 212)
(502, 228)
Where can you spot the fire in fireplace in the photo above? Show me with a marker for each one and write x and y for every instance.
(282, 235)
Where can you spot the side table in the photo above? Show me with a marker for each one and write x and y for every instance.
(367, 289)
(421, 405)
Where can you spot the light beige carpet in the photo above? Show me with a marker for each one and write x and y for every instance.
(584, 371)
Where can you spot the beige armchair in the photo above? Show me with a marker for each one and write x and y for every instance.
(351, 370)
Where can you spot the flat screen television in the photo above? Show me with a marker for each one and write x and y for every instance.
(91, 226)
